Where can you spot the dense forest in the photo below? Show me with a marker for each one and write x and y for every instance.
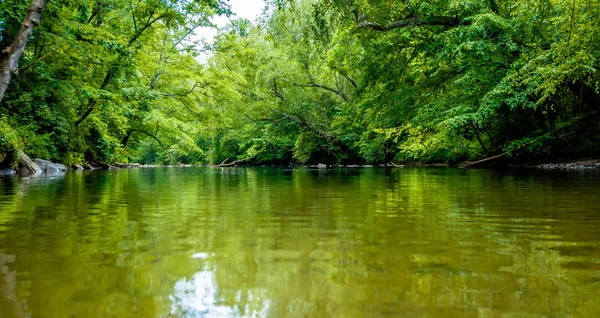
(311, 81)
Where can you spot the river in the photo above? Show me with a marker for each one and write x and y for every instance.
(267, 242)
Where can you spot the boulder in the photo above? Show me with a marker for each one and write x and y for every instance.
(7, 172)
(322, 166)
(50, 167)
(26, 165)
(78, 167)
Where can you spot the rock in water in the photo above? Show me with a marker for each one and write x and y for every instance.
(50, 167)
(26, 165)
(78, 167)
(7, 172)
(322, 166)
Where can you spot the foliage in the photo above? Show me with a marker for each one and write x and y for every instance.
(9, 140)
(9, 144)
(311, 81)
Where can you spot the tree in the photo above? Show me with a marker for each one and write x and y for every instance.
(312, 81)
(9, 56)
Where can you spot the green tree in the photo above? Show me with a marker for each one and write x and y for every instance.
(10, 54)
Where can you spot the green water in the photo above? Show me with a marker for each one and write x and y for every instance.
(202, 242)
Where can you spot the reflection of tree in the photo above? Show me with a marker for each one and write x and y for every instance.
(10, 304)
(428, 242)
(411, 242)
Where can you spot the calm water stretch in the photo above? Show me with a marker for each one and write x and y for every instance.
(262, 242)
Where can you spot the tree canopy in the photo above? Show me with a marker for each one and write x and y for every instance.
(332, 81)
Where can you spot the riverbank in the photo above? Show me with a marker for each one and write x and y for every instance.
(566, 165)
(27, 167)
(580, 164)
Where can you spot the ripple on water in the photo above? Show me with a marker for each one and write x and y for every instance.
(200, 242)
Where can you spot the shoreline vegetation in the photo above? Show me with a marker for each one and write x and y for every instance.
(28, 167)
(467, 83)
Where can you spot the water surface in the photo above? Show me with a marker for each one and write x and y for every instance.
(262, 242)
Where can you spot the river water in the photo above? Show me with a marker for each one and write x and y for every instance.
(264, 242)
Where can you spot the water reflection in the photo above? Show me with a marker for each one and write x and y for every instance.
(198, 297)
(9, 301)
(274, 242)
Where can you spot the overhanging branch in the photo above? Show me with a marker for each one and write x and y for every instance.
(149, 135)
(313, 83)
(412, 21)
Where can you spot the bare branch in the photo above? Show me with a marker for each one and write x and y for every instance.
(235, 163)
(177, 98)
(413, 21)
(149, 135)
(346, 76)
(148, 24)
(182, 94)
(313, 83)
(304, 124)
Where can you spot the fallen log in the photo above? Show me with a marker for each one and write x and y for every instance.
(484, 160)
(504, 154)
(231, 164)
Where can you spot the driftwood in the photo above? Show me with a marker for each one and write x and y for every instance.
(231, 164)
(487, 159)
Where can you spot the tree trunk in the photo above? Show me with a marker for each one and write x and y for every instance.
(9, 57)
(478, 135)
(92, 103)
(126, 138)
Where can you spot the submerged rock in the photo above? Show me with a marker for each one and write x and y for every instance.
(50, 167)
(26, 165)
